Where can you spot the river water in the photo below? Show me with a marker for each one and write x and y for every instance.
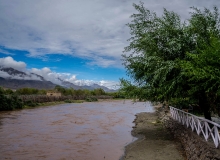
(79, 131)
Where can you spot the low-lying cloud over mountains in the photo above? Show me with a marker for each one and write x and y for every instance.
(14, 70)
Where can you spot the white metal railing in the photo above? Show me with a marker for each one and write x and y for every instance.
(202, 126)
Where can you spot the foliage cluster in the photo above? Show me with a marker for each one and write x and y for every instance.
(91, 99)
(173, 61)
(85, 92)
(30, 91)
(9, 102)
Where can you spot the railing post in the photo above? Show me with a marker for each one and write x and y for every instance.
(216, 136)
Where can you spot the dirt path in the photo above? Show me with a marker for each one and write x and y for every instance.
(154, 142)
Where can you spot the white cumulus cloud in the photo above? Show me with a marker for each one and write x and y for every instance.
(10, 62)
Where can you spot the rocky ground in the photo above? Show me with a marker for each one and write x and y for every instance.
(154, 141)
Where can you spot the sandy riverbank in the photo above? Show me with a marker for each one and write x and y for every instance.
(154, 141)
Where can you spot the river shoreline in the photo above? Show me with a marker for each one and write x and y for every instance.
(153, 142)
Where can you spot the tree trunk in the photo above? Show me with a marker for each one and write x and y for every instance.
(207, 113)
(205, 106)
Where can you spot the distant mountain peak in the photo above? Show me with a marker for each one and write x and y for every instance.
(12, 71)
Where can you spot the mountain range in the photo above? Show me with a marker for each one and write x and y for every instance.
(15, 79)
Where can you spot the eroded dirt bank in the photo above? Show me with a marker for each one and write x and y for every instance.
(154, 141)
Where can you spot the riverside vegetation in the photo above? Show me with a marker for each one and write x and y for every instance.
(174, 61)
(30, 97)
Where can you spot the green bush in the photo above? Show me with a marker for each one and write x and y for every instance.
(10, 102)
(30, 103)
(91, 99)
(68, 101)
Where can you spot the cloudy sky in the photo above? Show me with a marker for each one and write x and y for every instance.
(79, 40)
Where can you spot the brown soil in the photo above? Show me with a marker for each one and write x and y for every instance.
(154, 141)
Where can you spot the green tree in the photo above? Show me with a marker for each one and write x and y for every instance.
(98, 92)
(9, 102)
(42, 92)
(8, 91)
(203, 75)
(130, 90)
(158, 59)
(2, 91)
(61, 89)
(27, 91)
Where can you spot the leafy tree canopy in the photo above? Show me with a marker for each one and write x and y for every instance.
(174, 61)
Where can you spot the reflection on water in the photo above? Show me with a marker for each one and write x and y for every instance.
(86, 131)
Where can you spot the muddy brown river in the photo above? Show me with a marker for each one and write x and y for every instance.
(83, 131)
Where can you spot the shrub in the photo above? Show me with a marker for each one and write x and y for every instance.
(91, 99)
(68, 101)
(10, 102)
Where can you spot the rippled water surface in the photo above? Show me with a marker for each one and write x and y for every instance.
(86, 131)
